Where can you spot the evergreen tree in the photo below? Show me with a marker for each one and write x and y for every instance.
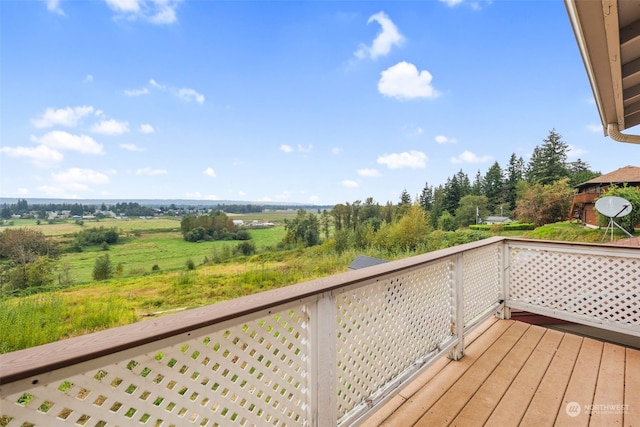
(494, 187)
(548, 162)
(425, 200)
(405, 197)
(515, 174)
(456, 188)
(477, 188)
(438, 205)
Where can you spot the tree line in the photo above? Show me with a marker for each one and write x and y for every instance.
(539, 192)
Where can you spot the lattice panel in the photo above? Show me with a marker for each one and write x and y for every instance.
(481, 281)
(385, 327)
(254, 374)
(601, 286)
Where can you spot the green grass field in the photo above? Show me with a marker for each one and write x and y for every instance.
(145, 243)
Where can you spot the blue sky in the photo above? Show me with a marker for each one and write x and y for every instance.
(318, 102)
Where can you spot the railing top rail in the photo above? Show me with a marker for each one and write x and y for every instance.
(602, 247)
(37, 360)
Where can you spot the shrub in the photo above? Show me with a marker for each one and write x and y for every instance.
(102, 270)
(246, 248)
(243, 235)
(190, 264)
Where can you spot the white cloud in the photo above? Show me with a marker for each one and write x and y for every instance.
(451, 3)
(441, 139)
(165, 14)
(155, 84)
(146, 128)
(412, 159)
(77, 179)
(314, 199)
(469, 157)
(136, 92)
(574, 152)
(336, 150)
(210, 172)
(475, 5)
(350, 183)
(594, 128)
(69, 117)
(388, 37)
(154, 11)
(131, 147)
(40, 156)
(128, 6)
(110, 127)
(186, 94)
(54, 6)
(190, 95)
(369, 172)
(299, 148)
(88, 78)
(403, 81)
(150, 171)
(65, 141)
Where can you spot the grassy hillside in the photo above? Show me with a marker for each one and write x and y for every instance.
(141, 293)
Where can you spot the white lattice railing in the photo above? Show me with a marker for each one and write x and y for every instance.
(321, 353)
(593, 285)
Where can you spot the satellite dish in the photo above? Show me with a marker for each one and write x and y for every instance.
(614, 207)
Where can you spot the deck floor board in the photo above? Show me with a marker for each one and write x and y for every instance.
(479, 408)
(632, 388)
(547, 400)
(516, 374)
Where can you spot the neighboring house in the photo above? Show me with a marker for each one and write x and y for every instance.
(584, 202)
(497, 220)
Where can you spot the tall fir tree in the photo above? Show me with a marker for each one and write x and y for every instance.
(548, 162)
(494, 187)
(515, 174)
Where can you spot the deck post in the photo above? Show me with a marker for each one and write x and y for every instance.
(323, 355)
(457, 316)
(505, 312)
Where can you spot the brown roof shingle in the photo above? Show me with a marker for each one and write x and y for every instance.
(629, 174)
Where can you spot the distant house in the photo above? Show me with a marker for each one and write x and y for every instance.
(497, 220)
(584, 202)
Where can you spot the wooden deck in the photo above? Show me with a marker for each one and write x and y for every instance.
(516, 374)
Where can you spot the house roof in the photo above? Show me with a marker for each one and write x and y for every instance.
(363, 261)
(630, 174)
(608, 36)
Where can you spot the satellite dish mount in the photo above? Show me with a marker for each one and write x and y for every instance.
(614, 207)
